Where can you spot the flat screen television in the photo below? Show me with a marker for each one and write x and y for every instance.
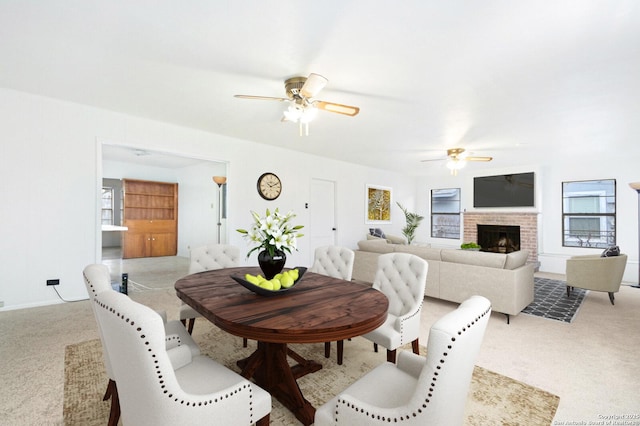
(513, 190)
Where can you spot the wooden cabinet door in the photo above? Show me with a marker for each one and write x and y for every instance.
(163, 244)
(135, 245)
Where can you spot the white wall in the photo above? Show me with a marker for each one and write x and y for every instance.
(198, 207)
(51, 171)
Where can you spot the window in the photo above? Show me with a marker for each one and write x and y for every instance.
(107, 206)
(445, 213)
(589, 213)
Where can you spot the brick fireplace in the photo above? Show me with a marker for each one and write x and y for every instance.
(499, 238)
(528, 223)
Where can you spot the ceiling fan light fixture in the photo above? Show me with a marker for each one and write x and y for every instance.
(454, 165)
(302, 115)
(308, 114)
(293, 113)
(301, 95)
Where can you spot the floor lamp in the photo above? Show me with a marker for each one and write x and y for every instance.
(219, 180)
(636, 186)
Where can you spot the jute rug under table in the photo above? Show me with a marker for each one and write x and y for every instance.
(493, 399)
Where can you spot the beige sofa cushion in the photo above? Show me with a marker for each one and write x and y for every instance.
(391, 239)
(396, 239)
(476, 258)
(427, 253)
(376, 246)
(516, 259)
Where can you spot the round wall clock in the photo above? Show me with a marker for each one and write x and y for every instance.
(269, 186)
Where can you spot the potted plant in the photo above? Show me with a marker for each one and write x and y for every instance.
(470, 246)
(412, 222)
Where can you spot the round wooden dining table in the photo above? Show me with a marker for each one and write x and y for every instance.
(317, 309)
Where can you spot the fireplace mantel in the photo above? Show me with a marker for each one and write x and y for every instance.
(528, 223)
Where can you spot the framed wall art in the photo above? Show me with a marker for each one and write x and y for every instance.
(378, 204)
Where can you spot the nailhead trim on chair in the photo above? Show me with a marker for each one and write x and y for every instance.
(173, 337)
(161, 378)
(93, 289)
(434, 379)
(417, 312)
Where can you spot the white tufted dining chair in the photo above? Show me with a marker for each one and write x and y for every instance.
(418, 390)
(206, 258)
(336, 262)
(402, 278)
(160, 386)
(97, 280)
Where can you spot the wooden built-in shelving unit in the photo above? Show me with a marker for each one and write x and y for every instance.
(151, 214)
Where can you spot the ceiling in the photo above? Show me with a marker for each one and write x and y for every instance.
(149, 158)
(508, 79)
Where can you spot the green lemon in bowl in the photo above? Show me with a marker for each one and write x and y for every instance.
(287, 281)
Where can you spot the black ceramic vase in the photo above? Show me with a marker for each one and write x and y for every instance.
(271, 265)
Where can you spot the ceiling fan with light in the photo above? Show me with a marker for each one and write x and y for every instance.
(457, 159)
(303, 105)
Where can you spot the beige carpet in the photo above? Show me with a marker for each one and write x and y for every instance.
(493, 399)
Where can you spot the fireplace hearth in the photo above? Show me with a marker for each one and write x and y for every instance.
(499, 238)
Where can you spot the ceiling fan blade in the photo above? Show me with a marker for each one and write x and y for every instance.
(477, 158)
(314, 84)
(432, 159)
(262, 98)
(338, 108)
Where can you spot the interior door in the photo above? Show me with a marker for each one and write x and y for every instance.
(322, 214)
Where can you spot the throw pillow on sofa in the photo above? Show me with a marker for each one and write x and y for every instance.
(611, 251)
(376, 232)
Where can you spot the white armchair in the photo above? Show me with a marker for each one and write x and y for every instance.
(418, 391)
(198, 392)
(336, 262)
(402, 278)
(97, 280)
(206, 258)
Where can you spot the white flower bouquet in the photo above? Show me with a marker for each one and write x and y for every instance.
(273, 232)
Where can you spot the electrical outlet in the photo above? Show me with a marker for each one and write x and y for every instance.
(53, 282)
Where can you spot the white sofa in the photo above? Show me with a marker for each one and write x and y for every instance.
(455, 275)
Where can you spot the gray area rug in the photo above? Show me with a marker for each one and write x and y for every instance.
(551, 300)
(493, 399)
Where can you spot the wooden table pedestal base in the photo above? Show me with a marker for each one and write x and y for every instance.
(269, 367)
